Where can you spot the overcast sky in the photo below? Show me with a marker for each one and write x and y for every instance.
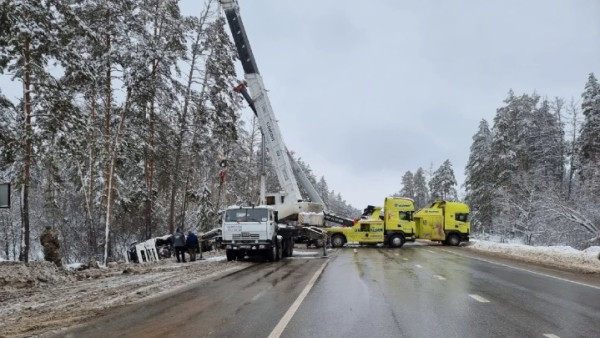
(366, 90)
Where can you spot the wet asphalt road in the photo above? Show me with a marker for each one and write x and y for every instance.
(416, 291)
(436, 291)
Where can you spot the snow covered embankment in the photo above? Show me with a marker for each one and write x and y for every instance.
(564, 257)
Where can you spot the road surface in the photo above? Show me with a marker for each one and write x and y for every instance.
(416, 291)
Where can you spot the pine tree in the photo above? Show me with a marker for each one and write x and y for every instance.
(479, 181)
(589, 140)
(443, 182)
(408, 186)
(421, 190)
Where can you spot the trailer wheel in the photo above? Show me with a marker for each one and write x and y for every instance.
(397, 241)
(337, 241)
(453, 239)
(230, 255)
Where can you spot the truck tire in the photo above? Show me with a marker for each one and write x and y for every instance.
(230, 255)
(279, 251)
(271, 253)
(337, 241)
(397, 241)
(290, 247)
(453, 239)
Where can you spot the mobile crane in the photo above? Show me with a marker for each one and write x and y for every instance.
(270, 228)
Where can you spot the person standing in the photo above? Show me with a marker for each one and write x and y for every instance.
(179, 244)
(49, 240)
(192, 245)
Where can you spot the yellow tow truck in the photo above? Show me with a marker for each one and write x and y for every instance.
(444, 221)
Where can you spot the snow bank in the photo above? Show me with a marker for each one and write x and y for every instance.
(16, 275)
(587, 260)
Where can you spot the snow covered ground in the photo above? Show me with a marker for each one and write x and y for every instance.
(562, 257)
(37, 297)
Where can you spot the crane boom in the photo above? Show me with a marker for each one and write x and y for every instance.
(290, 202)
(264, 111)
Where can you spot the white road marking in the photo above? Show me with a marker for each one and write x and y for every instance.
(278, 330)
(550, 335)
(429, 251)
(418, 265)
(439, 277)
(405, 259)
(530, 271)
(479, 298)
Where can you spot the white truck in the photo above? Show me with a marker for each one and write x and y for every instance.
(270, 228)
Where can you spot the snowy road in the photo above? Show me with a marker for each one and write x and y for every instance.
(418, 291)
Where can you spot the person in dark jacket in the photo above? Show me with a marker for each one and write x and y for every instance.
(192, 245)
(179, 244)
(49, 240)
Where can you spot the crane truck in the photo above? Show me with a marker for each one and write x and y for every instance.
(443, 221)
(269, 229)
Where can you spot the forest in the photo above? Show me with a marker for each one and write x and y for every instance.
(128, 112)
(533, 176)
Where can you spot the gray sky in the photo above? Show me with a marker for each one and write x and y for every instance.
(366, 90)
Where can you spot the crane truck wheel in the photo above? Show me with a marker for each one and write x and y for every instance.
(453, 239)
(272, 254)
(279, 250)
(230, 255)
(337, 241)
(397, 241)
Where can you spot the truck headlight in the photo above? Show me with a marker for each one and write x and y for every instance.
(262, 246)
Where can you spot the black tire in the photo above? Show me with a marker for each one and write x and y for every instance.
(337, 241)
(397, 241)
(290, 248)
(453, 239)
(271, 254)
(279, 251)
(230, 255)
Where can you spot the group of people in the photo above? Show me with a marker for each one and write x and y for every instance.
(191, 245)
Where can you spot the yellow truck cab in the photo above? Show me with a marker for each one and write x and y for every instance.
(394, 227)
(447, 222)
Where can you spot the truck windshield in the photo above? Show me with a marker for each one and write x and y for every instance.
(246, 215)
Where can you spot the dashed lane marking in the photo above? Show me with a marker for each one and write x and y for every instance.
(405, 259)
(479, 298)
(550, 335)
(439, 277)
(418, 265)
(530, 271)
(278, 330)
(429, 251)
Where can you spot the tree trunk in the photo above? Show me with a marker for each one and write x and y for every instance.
(112, 173)
(27, 160)
(182, 122)
(108, 160)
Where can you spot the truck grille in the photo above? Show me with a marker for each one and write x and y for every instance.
(245, 236)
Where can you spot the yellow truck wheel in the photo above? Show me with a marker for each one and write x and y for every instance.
(337, 241)
(453, 239)
(397, 240)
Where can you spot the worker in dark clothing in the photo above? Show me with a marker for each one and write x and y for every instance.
(192, 245)
(49, 241)
(179, 244)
